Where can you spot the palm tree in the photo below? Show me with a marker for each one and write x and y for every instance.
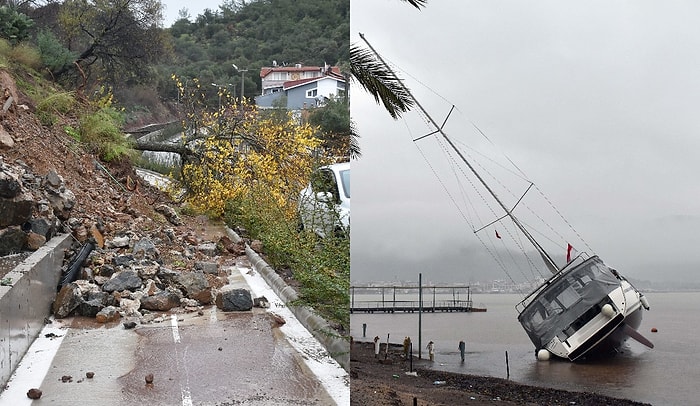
(381, 83)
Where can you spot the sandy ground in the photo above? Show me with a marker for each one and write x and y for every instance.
(386, 380)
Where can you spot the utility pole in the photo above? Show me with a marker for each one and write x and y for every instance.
(243, 71)
(219, 93)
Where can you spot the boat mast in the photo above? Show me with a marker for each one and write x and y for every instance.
(549, 262)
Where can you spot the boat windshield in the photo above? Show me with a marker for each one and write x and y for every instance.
(560, 305)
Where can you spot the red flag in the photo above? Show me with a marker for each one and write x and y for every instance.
(497, 235)
(570, 251)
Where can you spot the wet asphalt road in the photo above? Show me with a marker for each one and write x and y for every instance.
(211, 359)
(196, 358)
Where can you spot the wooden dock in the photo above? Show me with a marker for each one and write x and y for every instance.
(384, 299)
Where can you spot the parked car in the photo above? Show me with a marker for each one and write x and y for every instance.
(324, 205)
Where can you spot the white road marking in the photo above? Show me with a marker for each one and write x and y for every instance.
(176, 331)
(34, 366)
(186, 398)
(329, 373)
(186, 395)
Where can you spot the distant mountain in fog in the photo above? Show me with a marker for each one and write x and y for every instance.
(470, 265)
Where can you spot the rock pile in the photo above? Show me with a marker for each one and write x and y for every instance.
(128, 279)
(33, 207)
(125, 275)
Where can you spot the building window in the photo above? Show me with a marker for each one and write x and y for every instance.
(310, 94)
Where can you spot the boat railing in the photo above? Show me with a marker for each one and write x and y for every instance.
(576, 261)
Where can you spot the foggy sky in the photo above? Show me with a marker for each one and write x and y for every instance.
(173, 7)
(596, 101)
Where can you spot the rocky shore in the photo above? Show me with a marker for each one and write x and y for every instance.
(387, 380)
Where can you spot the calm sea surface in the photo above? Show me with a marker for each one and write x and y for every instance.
(669, 374)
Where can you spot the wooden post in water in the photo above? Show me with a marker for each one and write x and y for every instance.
(410, 363)
(420, 315)
(507, 367)
(386, 352)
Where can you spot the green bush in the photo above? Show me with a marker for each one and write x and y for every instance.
(27, 56)
(53, 54)
(321, 266)
(54, 105)
(5, 48)
(14, 26)
(102, 131)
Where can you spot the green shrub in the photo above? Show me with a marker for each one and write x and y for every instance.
(27, 56)
(5, 48)
(54, 105)
(321, 266)
(53, 54)
(72, 132)
(101, 130)
(14, 26)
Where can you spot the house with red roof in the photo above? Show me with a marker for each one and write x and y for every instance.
(298, 87)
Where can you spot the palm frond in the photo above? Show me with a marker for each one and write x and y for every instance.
(417, 3)
(378, 81)
(354, 142)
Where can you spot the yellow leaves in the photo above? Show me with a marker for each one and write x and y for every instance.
(244, 152)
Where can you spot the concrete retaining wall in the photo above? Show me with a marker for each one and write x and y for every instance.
(337, 347)
(27, 302)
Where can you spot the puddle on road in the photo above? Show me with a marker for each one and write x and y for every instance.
(237, 359)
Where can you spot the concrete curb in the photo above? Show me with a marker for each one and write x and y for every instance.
(337, 347)
(27, 302)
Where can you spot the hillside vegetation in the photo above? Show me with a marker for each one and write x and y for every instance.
(86, 70)
(122, 45)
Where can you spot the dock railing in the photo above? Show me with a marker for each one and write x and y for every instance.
(383, 299)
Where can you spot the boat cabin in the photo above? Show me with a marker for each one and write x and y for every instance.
(568, 302)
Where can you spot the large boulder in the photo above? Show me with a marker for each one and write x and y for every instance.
(62, 200)
(169, 213)
(67, 300)
(109, 313)
(125, 280)
(12, 240)
(16, 210)
(234, 300)
(10, 185)
(195, 286)
(161, 301)
(144, 248)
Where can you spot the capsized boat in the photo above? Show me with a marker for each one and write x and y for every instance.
(585, 309)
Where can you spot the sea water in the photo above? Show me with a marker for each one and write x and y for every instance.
(665, 375)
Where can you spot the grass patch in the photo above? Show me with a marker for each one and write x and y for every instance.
(102, 131)
(321, 266)
(50, 108)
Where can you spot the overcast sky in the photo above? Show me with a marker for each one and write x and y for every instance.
(173, 7)
(596, 101)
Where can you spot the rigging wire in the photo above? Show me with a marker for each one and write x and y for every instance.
(520, 173)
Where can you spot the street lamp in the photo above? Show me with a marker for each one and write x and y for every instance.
(219, 86)
(219, 92)
(243, 71)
